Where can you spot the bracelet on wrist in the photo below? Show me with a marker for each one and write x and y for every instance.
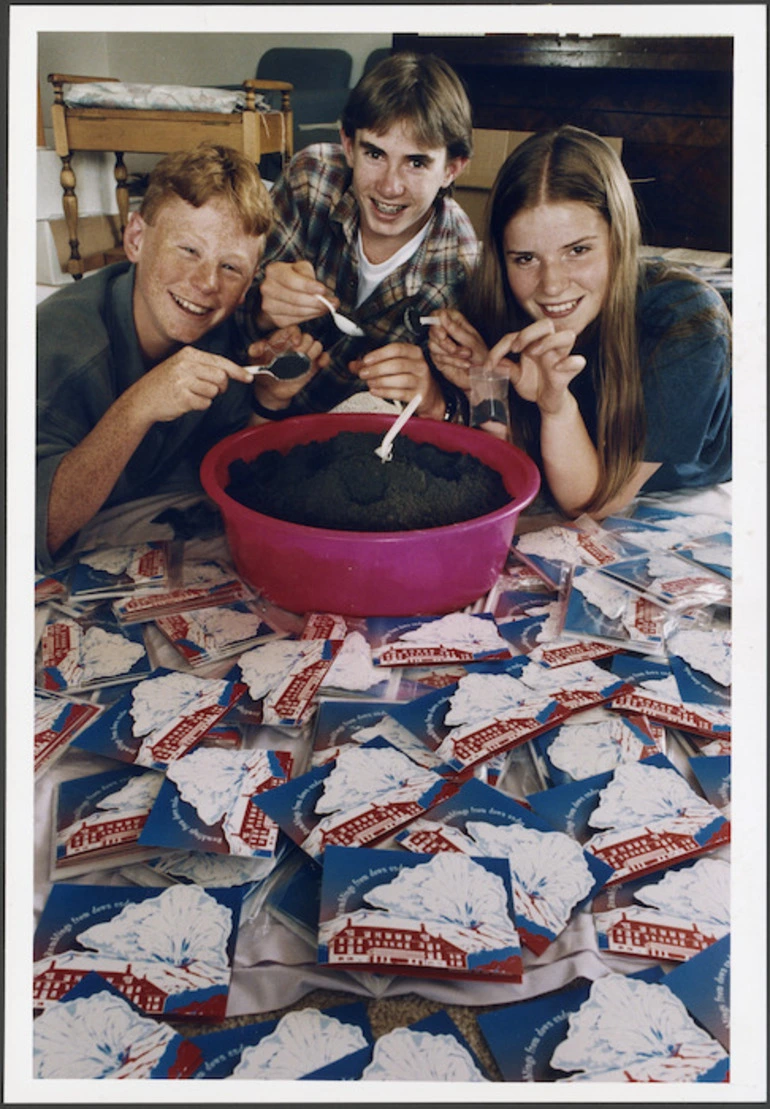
(268, 413)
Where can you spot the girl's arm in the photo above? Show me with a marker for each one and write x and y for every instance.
(542, 373)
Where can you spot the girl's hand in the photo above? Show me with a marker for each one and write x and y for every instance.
(455, 346)
(544, 365)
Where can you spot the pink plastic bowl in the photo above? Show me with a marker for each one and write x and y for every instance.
(374, 573)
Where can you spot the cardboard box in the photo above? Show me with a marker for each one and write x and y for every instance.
(99, 244)
(490, 149)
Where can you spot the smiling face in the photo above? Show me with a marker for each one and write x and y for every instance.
(557, 260)
(395, 181)
(194, 267)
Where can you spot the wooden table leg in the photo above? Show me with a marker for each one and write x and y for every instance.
(121, 190)
(70, 206)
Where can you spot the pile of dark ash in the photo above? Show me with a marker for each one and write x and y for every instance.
(341, 483)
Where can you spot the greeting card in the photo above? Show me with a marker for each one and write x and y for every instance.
(286, 675)
(598, 607)
(430, 1050)
(672, 918)
(487, 714)
(657, 695)
(98, 819)
(114, 571)
(617, 1029)
(713, 774)
(206, 802)
(300, 1043)
(339, 723)
(648, 815)
(204, 584)
(95, 1032)
(363, 796)
(170, 952)
(701, 660)
(435, 640)
(160, 719)
(57, 721)
(590, 743)
(538, 635)
(712, 551)
(88, 651)
(549, 551)
(551, 875)
(441, 916)
(671, 580)
(209, 634)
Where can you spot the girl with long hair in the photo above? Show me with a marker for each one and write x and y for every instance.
(619, 367)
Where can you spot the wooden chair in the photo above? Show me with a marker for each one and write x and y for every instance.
(129, 130)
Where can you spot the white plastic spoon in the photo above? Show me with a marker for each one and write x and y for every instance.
(385, 449)
(283, 367)
(343, 323)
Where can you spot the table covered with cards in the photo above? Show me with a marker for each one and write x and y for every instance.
(519, 812)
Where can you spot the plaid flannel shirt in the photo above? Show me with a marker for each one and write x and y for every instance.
(317, 219)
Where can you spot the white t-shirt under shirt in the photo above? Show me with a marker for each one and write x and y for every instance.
(370, 275)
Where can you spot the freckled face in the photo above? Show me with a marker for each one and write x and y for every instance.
(557, 259)
(395, 181)
(194, 267)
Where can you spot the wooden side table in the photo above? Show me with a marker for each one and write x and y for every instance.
(140, 130)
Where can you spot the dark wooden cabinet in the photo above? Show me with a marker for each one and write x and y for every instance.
(669, 99)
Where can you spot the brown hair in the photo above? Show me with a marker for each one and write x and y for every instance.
(211, 172)
(419, 89)
(572, 164)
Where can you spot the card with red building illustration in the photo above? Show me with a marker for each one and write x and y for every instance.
(618, 1029)
(440, 916)
(359, 798)
(601, 608)
(199, 584)
(220, 631)
(457, 637)
(298, 1045)
(169, 951)
(98, 819)
(57, 721)
(161, 718)
(656, 694)
(501, 705)
(53, 585)
(640, 818)
(116, 571)
(94, 1032)
(592, 742)
(286, 676)
(671, 580)
(670, 918)
(551, 876)
(87, 650)
(206, 802)
(538, 635)
(552, 551)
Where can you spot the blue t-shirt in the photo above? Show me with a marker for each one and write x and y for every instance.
(687, 383)
(684, 355)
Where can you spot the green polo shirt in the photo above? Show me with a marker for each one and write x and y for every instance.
(87, 355)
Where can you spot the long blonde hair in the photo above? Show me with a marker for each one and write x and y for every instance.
(572, 164)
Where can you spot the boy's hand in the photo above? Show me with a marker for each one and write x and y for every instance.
(289, 291)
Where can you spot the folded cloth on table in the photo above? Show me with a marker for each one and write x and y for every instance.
(166, 98)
